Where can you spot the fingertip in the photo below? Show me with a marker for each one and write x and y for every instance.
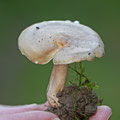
(46, 103)
(103, 113)
(106, 108)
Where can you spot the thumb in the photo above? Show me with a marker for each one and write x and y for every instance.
(103, 113)
(31, 115)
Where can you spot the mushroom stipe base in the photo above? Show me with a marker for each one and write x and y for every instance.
(76, 103)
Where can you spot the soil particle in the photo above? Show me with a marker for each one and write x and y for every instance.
(80, 103)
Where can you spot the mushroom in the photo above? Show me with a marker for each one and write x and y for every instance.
(63, 41)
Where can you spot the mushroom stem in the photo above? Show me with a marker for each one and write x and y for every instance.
(57, 83)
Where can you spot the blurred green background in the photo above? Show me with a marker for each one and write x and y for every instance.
(22, 82)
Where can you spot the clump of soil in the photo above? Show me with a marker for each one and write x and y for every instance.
(76, 104)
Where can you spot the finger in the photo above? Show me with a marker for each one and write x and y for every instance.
(103, 113)
(18, 109)
(31, 115)
(46, 104)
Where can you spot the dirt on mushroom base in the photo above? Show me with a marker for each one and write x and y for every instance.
(76, 104)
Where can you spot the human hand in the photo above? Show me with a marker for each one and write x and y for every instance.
(36, 112)
(26, 112)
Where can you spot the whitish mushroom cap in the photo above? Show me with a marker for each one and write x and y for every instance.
(63, 41)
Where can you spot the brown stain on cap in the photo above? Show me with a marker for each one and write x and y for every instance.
(60, 43)
(46, 56)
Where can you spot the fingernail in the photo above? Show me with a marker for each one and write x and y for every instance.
(109, 116)
(56, 119)
(107, 112)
